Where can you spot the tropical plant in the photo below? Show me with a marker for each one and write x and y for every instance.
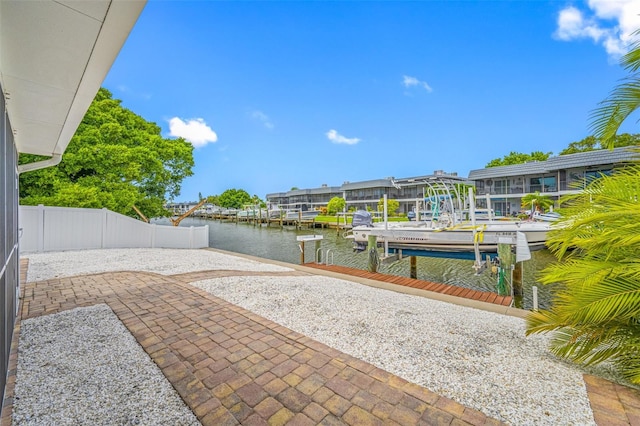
(536, 201)
(595, 314)
(623, 100)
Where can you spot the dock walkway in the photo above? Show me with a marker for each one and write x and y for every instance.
(482, 296)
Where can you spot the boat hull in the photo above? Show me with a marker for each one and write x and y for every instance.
(458, 238)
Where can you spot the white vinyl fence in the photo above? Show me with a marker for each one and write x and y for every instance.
(64, 228)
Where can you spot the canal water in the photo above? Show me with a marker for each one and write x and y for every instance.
(280, 244)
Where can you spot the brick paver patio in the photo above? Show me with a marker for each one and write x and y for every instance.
(231, 366)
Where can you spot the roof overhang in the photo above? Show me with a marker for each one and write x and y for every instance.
(54, 55)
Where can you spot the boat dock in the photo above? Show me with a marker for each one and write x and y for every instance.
(466, 293)
(299, 222)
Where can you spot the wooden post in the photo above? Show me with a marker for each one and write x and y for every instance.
(414, 267)
(506, 260)
(372, 249)
(517, 280)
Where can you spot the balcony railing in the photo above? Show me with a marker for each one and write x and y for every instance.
(517, 190)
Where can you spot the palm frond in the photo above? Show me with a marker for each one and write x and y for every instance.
(631, 60)
(621, 102)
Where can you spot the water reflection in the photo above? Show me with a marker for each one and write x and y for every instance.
(280, 244)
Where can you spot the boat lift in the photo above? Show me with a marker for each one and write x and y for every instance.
(445, 194)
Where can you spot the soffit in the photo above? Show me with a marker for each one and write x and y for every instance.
(54, 56)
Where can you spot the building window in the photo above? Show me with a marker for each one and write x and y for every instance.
(549, 184)
(535, 185)
(501, 186)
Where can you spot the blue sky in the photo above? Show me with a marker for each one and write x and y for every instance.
(275, 95)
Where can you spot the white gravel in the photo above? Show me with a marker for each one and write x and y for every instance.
(84, 367)
(480, 359)
(44, 266)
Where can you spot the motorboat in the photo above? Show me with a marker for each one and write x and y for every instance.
(459, 237)
(450, 224)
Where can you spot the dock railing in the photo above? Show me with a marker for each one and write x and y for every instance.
(64, 228)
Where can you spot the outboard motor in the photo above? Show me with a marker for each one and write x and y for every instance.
(362, 218)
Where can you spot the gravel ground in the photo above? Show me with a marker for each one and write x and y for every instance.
(44, 266)
(84, 367)
(480, 359)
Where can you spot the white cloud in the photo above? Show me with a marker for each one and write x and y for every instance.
(408, 81)
(607, 22)
(262, 118)
(194, 130)
(336, 137)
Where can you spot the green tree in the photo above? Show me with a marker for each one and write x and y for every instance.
(234, 198)
(392, 206)
(536, 201)
(257, 201)
(591, 143)
(595, 314)
(335, 205)
(518, 158)
(115, 160)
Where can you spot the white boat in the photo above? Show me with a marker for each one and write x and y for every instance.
(461, 237)
(546, 217)
(301, 215)
(445, 230)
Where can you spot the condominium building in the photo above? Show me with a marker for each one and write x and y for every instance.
(563, 174)
(505, 185)
(362, 195)
(304, 199)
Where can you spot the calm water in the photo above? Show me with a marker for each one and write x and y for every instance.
(280, 244)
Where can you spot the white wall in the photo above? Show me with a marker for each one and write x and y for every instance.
(64, 228)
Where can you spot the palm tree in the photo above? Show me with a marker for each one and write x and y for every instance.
(622, 101)
(536, 201)
(596, 312)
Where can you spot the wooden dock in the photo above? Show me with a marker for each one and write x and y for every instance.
(482, 296)
(298, 223)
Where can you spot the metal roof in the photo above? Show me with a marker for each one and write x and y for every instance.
(54, 56)
(560, 162)
(321, 190)
(375, 183)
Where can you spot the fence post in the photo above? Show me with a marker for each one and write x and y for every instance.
(153, 235)
(40, 228)
(104, 230)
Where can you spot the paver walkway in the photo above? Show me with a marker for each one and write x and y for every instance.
(235, 367)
